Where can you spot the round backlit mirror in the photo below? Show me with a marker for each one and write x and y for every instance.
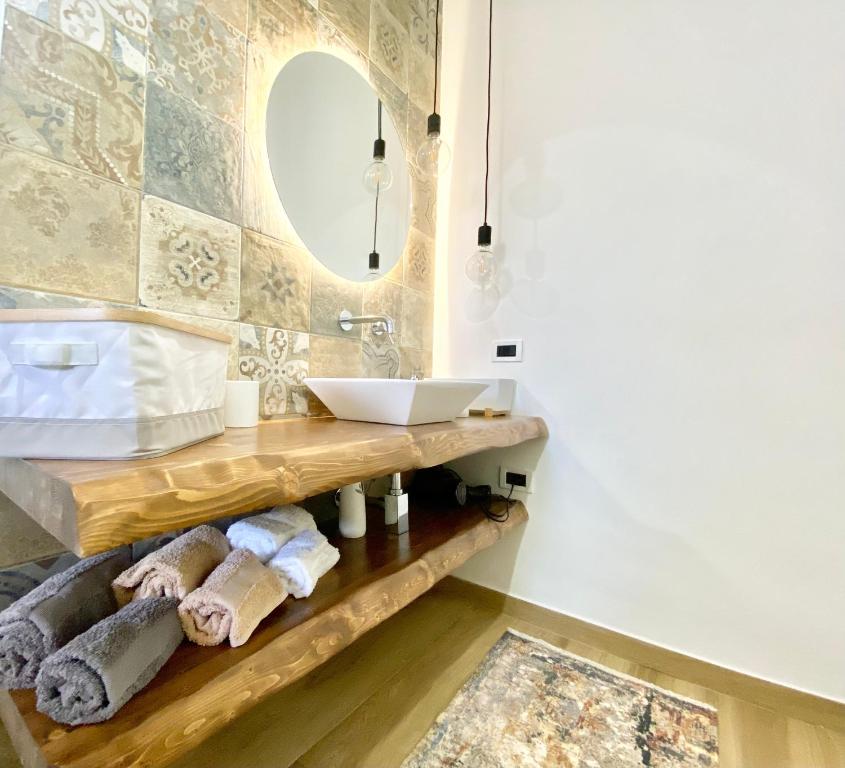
(322, 122)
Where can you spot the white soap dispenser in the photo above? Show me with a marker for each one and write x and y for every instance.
(353, 511)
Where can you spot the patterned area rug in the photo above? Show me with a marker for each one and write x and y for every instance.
(531, 704)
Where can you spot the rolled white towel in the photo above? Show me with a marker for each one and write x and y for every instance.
(267, 533)
(303, 560)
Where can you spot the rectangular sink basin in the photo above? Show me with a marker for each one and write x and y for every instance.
(395, 401)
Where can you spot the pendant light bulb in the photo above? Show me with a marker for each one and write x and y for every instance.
(378, 176)
(480, 268)
(374, 271)
(434, 155)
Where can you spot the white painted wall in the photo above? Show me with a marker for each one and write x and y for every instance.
(668, 197)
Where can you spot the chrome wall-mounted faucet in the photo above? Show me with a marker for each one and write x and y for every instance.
(382, 324)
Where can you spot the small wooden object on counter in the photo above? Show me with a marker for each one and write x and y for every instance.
(488, 413)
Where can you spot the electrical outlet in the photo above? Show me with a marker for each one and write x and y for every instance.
(521, 479)
(507, 351)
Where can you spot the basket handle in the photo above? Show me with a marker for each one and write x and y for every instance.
(54, 355)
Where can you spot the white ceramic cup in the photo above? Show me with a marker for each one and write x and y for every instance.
(241, 404)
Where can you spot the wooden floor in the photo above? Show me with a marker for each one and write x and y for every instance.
(368, 706)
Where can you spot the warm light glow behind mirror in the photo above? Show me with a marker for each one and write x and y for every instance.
(321, 124)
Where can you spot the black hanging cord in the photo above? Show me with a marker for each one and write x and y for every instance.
(436, 52)
(375, 219)
(379, 152)
(489, 81)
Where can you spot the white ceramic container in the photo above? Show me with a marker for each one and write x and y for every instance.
(241, 406)
(395, 401)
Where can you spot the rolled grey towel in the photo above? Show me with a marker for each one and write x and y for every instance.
(55, 612)
(96, 673)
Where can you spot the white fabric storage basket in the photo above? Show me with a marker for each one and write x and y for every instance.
(107, 384)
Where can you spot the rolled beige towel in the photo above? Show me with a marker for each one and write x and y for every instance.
(174, 570)
(232, 601)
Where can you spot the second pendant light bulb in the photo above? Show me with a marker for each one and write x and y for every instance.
(480, 268)
(434, 155)
(378, 176)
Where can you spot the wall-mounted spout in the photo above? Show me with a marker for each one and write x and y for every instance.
(381, 323)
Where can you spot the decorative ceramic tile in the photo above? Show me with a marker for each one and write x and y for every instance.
(417, 319)
(420, 76)
(419, 261)
(422, 18)
(414, 362)
(380, 361)
(400, 10)
(60, 98)
(381, 354)
(332, 40)
(417, 129)
(115, 28)
(397, 271)
(233, 12)
(330, 295)
(64, 230)
(21, 298)
(197, 55)
(191, 157)
(383, 297)
(352, 18)
(190, 262)
(263, 211)
(228, 327)
(423, 202)
(275, 283)
(334, 357)
(394, 100)
(282, 27)
(389, 45)
(278, 359)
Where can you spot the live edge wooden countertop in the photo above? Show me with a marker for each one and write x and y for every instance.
(93, 506)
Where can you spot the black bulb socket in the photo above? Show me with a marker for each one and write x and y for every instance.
(434, 124)
(374, 260)
(379, 147)
(485, 235)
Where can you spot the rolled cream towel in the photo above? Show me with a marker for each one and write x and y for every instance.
(95, 674)
(303, 560)
(267, 533)
(232, 601)
(55, 612)
(175, 569)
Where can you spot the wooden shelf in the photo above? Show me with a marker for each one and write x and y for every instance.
(93, 506)
(201, 689)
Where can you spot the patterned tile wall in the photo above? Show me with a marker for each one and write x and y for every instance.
(134, 173)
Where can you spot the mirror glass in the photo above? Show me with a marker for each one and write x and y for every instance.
(322, 120)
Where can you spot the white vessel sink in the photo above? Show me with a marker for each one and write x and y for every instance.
(395, 401)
